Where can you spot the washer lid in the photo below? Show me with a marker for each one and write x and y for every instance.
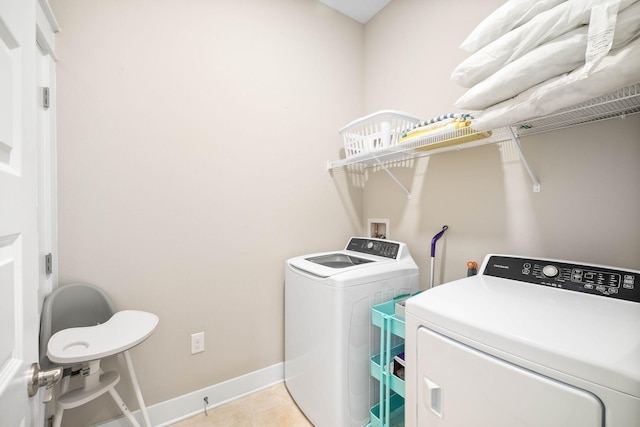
(586, 336)
(328, 264)
(338, 260)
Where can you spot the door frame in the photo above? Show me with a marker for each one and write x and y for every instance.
(46, 27)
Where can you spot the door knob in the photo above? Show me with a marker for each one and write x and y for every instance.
(46, 378)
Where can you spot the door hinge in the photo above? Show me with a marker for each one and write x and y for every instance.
(48, 264)
(45, 97)
(50, 420)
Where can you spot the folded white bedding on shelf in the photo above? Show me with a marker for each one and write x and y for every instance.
(620, 68)
(510, 15)
(569, 53)
(558, 56)
(543, 28)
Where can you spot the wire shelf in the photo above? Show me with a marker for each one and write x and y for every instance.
(422, 146)
(621, 103)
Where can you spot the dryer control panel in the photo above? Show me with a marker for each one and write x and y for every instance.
(592, 279)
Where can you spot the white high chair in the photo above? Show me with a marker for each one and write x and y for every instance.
(79, 327)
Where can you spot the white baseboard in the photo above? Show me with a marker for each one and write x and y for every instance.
(188, 405)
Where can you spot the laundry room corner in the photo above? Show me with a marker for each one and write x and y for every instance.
(192, 141)
(209, 160)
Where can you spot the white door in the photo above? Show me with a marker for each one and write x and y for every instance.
(19, 240)
(459, 386)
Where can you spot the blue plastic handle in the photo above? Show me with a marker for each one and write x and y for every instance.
(435, 239)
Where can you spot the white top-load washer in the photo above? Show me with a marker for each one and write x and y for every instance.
(328, 333)
(527, 342)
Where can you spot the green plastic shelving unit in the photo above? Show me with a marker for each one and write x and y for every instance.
(390, 411)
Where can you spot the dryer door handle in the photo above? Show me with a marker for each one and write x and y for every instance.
(433, 397)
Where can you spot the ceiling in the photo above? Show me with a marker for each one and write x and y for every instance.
(360, 10)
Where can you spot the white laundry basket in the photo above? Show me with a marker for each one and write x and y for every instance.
(375, 131)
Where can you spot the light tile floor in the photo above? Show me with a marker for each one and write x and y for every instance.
(271, 407)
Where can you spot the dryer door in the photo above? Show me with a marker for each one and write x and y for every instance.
(459, 386)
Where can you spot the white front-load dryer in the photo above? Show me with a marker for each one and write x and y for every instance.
(328, 333)
(528, 342)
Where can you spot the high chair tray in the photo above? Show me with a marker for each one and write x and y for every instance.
(122, 331)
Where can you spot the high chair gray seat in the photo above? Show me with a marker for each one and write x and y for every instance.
(79, 327)
(71, 306)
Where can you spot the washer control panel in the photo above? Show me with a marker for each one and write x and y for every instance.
(379, 247)
(592, 279)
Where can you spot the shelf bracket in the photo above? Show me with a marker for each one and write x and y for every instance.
(516, 141)
(384, 167)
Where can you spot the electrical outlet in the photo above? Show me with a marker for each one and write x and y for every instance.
(197, 343)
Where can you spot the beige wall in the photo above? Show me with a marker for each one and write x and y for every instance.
(589, 203)
(193, 137)
(192, 141)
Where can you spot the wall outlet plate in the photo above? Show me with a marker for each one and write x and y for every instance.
(197, 342)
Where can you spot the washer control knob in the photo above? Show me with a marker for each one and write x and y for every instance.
(550, 270)
(369, 245)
